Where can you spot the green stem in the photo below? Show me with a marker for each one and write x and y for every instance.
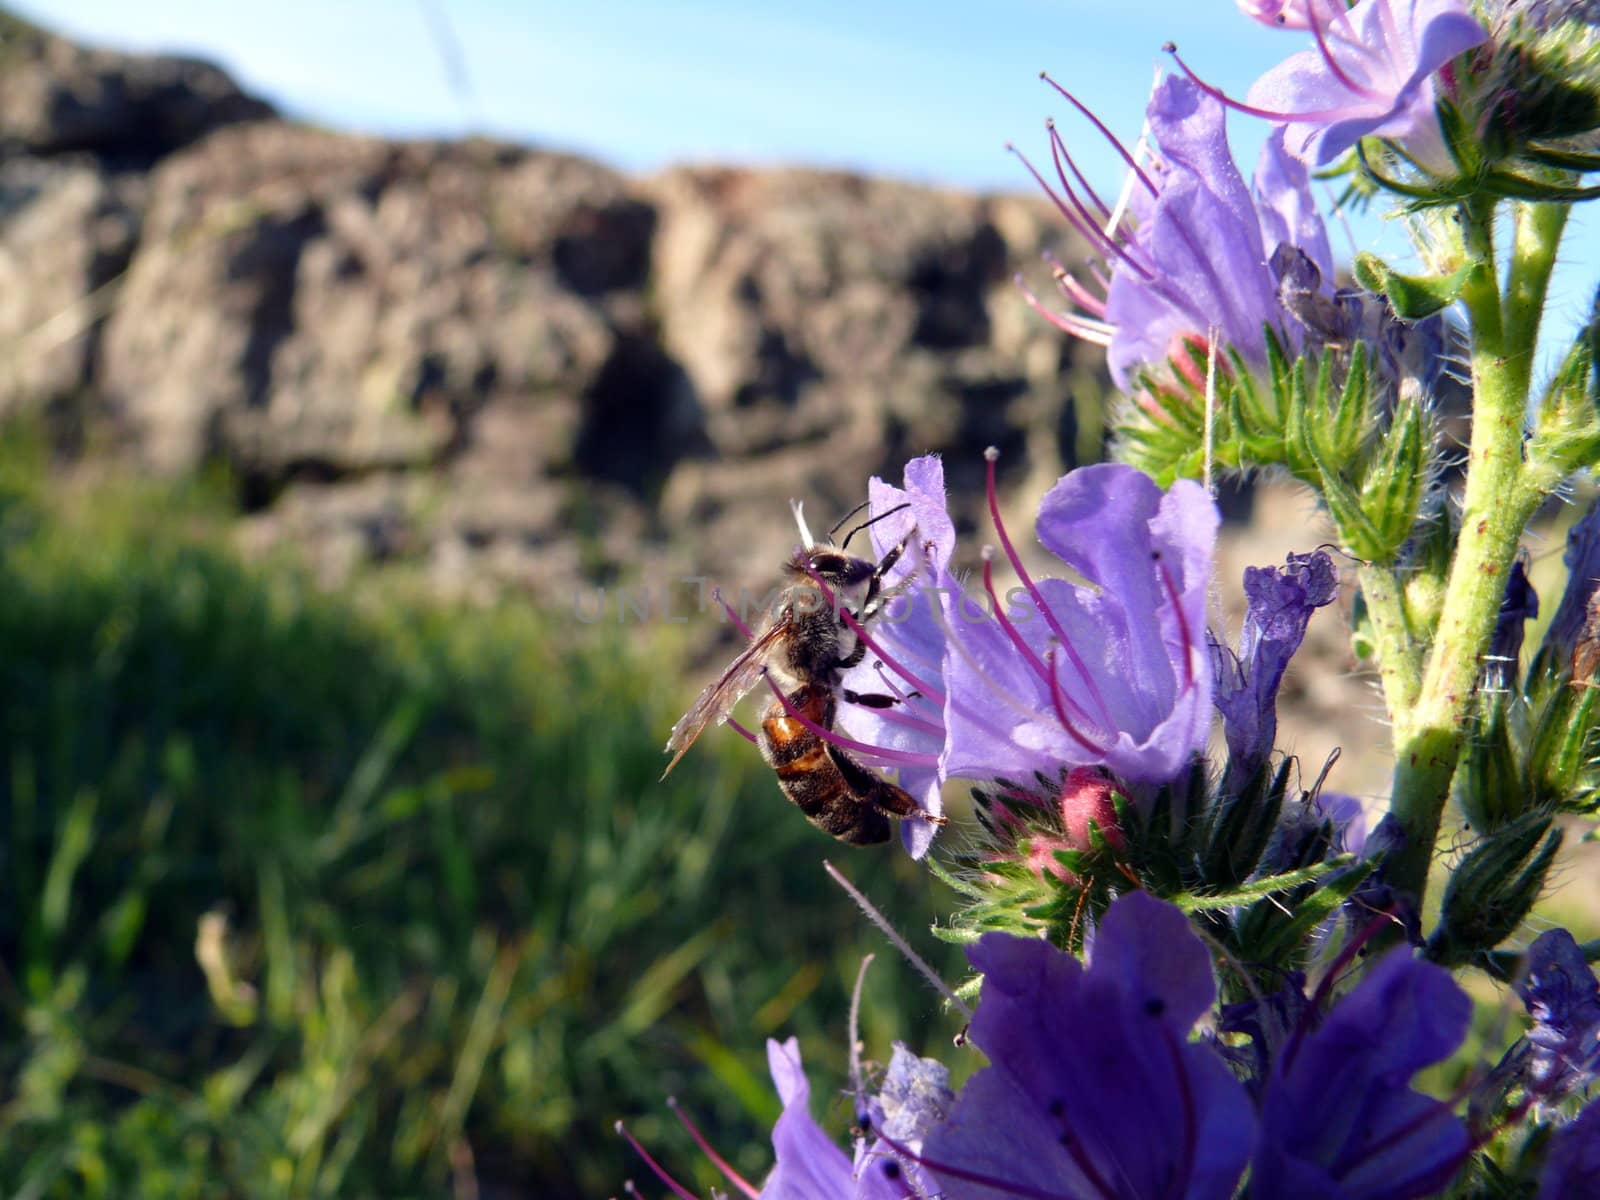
(1497, 502)
(1399, 663)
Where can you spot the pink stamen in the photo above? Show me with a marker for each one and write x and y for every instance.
(907, 721)
(1133, 163)
(738, 1180)
(1058, 702)
(1044, 672)
(1097, 332)
(1074, 291)
(899, 758)
(716, 594)
(1062, 157)
(1216, 93)
(1327, 55)
(921, 685)
(742, 731)
(1081, 219)
(991, 456)
(677, 1189)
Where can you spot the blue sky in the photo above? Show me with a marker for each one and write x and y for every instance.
(928, 91)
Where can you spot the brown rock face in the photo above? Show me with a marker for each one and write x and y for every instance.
(496, 362)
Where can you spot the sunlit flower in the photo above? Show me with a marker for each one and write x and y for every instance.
(1110, 672)
(1371, 74)
(1189, 254)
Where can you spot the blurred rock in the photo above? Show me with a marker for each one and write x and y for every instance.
(499, 364)
(57, 97)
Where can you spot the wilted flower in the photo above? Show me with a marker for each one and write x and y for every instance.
(1189, 254)
(1111, 672)
(1093, 1088)
(1279, 604)
(1563, 998)
(1518, 606)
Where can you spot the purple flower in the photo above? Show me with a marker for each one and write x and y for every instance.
(1111, 672)
(1093, 1088)
(1286, 14)
(1563, 998)
(1371, 74)
(905, 659)
(809, 1165)
(1279, 604)
(1583, 580)
(1190, 252)
(1572, 1167)
(1518, 606)
(1337, 1119)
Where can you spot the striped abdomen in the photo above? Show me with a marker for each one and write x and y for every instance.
(837, 794)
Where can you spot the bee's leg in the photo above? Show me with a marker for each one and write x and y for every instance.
(885, 565)
(854, 657)
(871, 700)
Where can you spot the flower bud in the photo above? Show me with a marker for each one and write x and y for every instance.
(1493, 889)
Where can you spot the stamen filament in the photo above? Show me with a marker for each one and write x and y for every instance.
(1062, 157)
(1116, 143)
(991, 456)
(1216, 93)
(677, 1189)
(738, 621)
(1057, 700)
(900, 758)
(741, 731)
(722, 1164)
(1079, 218)
(1327, 55)
(1082, 328)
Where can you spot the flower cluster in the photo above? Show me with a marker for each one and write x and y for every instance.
(1200, 972)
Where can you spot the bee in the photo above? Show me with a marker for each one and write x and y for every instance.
(805, 647)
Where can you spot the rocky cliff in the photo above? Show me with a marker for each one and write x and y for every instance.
(499, 363)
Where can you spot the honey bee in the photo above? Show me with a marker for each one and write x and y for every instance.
(806, 646)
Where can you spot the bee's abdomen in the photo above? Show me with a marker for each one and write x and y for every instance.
(809, 776)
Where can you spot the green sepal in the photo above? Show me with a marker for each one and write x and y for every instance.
(1391, 494)
(1235, 829)
(1411, 296)
(1493, 889)
(1566, 425)
(1490, 785)
(1269, 935)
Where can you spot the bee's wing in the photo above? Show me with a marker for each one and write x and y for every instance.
(722, 694)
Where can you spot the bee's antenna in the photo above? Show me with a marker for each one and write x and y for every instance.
(845, 545)
(798, 509)
(846, 517)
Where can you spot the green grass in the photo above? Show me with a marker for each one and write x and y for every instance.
(306, 894)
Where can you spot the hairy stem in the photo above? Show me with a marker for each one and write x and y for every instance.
(1399, 663)
(1497, 502)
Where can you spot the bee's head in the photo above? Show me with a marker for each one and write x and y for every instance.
(833, 566)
